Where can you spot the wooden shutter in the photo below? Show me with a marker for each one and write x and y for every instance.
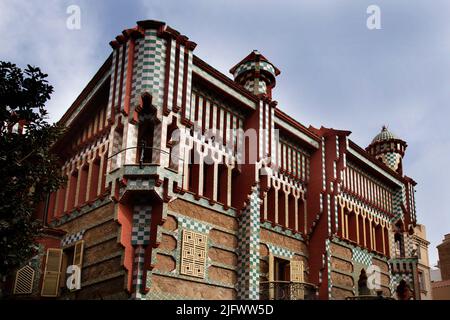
(52, 273)
(271, 276)
(297, 271)
(24, 281)
(271, 267)
(78, 253)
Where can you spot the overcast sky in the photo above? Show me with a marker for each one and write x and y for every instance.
(335, 72)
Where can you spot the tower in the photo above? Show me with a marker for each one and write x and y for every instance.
(388, 148)
(256, 74)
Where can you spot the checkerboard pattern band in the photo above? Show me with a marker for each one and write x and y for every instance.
(279, 251)
(72, 238)
(361, 256)
(138, 272)
(140, 234)
(194, 225)
(249, 240)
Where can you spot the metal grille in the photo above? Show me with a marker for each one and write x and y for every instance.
(286, 290)
(193, 254)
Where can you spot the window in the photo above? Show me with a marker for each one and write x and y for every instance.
(418, 253)
(284, 278)
(72, 255)
(399, 248)
(57, 261)
(422, 282)
(282, 270)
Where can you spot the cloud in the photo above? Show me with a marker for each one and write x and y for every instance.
(335, 72)
(36, 34)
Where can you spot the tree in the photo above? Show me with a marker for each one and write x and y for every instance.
(29, 171)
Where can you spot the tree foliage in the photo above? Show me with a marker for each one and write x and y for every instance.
(28, 169)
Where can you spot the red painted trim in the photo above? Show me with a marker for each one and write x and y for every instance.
(166, 78)
(175, 77)
(297, 125)
(372, 159)
(185, 75)
(122, 68)
(131, 48)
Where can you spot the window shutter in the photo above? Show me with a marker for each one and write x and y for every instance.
(297, 271)
(24, 281)
(271, 267)
(50, 284)
(78, 253)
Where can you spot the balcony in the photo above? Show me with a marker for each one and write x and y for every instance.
(370, 297)
(287, 290)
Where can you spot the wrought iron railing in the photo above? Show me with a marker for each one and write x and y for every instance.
(287, 290)
(144, 152)
(369, 297)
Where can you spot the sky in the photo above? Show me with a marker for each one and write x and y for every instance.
(335, 71)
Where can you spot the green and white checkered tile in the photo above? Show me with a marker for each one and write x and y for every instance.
(397, 277)
(280, 251)
(194, 225)
(248, 249)
(328, 261)
(267, 67)
(72, 238)
(245, 67)
(140, 233)
(362, 256)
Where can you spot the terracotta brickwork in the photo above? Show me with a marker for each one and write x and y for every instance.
(176, 288)
(186, 184)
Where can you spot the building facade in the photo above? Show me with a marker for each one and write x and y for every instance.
(186, 184)
(424, 269)
(441, 285)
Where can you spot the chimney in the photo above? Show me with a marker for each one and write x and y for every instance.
(256, 74)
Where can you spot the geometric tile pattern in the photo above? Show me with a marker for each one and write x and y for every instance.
(138, 272)
(397, 277)
(140, 234)
(72, 238)
(267, 67)
(328, 258)
(193, 224)
(279, 251)
(398, 199)
(193, 254)
(250, 86)
(148, 74)
(248, 248)
(361, 256)
(244, 67)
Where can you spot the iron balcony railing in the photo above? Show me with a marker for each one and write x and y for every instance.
(287, 290)
(369, 297)
(144, 152)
